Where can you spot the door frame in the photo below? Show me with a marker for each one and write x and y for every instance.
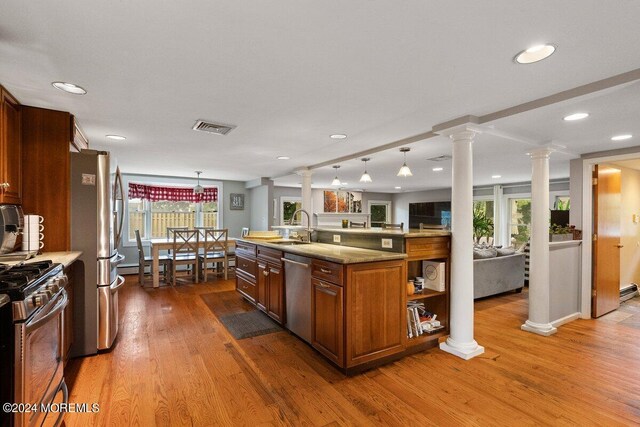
(587, 224)
(387, 203)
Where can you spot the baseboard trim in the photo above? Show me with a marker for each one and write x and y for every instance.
(566, 319)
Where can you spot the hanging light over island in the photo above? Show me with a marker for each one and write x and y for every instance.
(365, 176)
(404, 170)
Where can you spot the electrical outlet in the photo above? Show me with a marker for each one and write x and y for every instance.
(336, 238)
(387, 243)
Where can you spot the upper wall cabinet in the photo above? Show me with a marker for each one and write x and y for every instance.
(10, 149)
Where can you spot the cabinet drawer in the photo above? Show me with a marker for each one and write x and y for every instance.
(428, 247)
(245, 286)
(271, 255)
(246, 266)
(329, 271)
(246, 249)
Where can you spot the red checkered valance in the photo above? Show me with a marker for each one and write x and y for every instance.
(156, 193)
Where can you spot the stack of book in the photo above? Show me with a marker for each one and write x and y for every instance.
(420, 321)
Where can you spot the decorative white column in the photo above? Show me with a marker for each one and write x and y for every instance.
(460, 341)
(539, 301)
(306, 194)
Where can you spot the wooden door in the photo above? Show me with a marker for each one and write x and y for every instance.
(263, 284)
(11, 144)
(327, 320)
(606, 240)
(275, 292)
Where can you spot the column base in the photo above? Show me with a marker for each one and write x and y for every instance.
(464, 351)
(544, 329)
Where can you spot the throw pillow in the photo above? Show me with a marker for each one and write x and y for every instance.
(506, 251)
(484, 253)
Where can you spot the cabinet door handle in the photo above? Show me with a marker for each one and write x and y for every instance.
(5, 185)
(265, 273)
(322, 285)
(325, 271)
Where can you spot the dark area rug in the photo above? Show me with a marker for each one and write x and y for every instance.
(239, 322)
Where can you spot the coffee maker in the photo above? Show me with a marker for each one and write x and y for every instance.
(11, 224)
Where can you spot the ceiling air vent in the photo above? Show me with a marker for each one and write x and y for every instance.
(440, 158)
(209, 127)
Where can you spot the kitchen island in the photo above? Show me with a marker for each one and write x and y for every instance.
(355, 298)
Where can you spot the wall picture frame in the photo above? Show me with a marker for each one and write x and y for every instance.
(236, 201)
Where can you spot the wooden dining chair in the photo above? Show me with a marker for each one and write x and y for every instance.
(393, 226)
(215, 251)
(184, 251)
(145, 260)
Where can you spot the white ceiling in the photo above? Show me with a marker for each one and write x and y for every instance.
(290, 73)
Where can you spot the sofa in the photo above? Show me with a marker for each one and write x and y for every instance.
(499, 274)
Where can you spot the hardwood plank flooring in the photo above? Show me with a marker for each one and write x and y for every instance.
(175, 364)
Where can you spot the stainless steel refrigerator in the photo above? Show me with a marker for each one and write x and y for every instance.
(97, 211)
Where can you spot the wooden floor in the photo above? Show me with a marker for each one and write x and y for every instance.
(175, 364)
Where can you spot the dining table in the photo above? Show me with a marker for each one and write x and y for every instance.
(162, 243)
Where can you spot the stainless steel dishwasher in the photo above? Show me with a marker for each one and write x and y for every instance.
(297, 271)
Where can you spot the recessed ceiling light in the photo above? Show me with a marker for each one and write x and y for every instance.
(116, 137)
(69, 87)
(338, 136)
(496, 176)
(438, 169)
(535, 54)
(575, 116)
(398, 188)
(284, 158)
(622, 137)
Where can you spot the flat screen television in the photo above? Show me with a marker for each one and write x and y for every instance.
(431, 213)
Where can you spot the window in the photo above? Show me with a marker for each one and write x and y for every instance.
(165, 214)
(137, 219)
(288, 205)
(210, 214)
(380, 213)
(483, 221)
(153, 209)
(519, 221)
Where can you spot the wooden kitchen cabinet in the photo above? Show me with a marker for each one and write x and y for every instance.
(262, 285)
(375, 311)
(327, 321)
(10, 149)
(67, 315)
(275, 293)
(46, 163)
(270, 290)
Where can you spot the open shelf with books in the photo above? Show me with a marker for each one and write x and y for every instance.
(428, 306)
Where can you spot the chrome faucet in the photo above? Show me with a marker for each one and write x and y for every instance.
(308, 223)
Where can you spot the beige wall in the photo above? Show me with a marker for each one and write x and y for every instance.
(630, 232)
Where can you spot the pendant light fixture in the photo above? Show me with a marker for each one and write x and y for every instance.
(198, 189)
(404, 170)
(336, 181)
(365, 176)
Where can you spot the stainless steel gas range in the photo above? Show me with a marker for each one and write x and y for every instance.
(31, 343)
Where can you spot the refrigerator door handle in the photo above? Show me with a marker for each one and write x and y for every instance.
(118, 260)
(120, 220)
(118, 285)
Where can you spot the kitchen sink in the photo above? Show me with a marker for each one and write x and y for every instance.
(291, 243)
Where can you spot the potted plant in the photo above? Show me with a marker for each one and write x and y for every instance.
(482, 224)
(559, 233)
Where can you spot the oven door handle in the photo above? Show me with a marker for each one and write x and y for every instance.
(60, 305)
(65, 397)
(118, 285)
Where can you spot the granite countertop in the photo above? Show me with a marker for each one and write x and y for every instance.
(64, 258)
(328, 252)
(414, 232)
